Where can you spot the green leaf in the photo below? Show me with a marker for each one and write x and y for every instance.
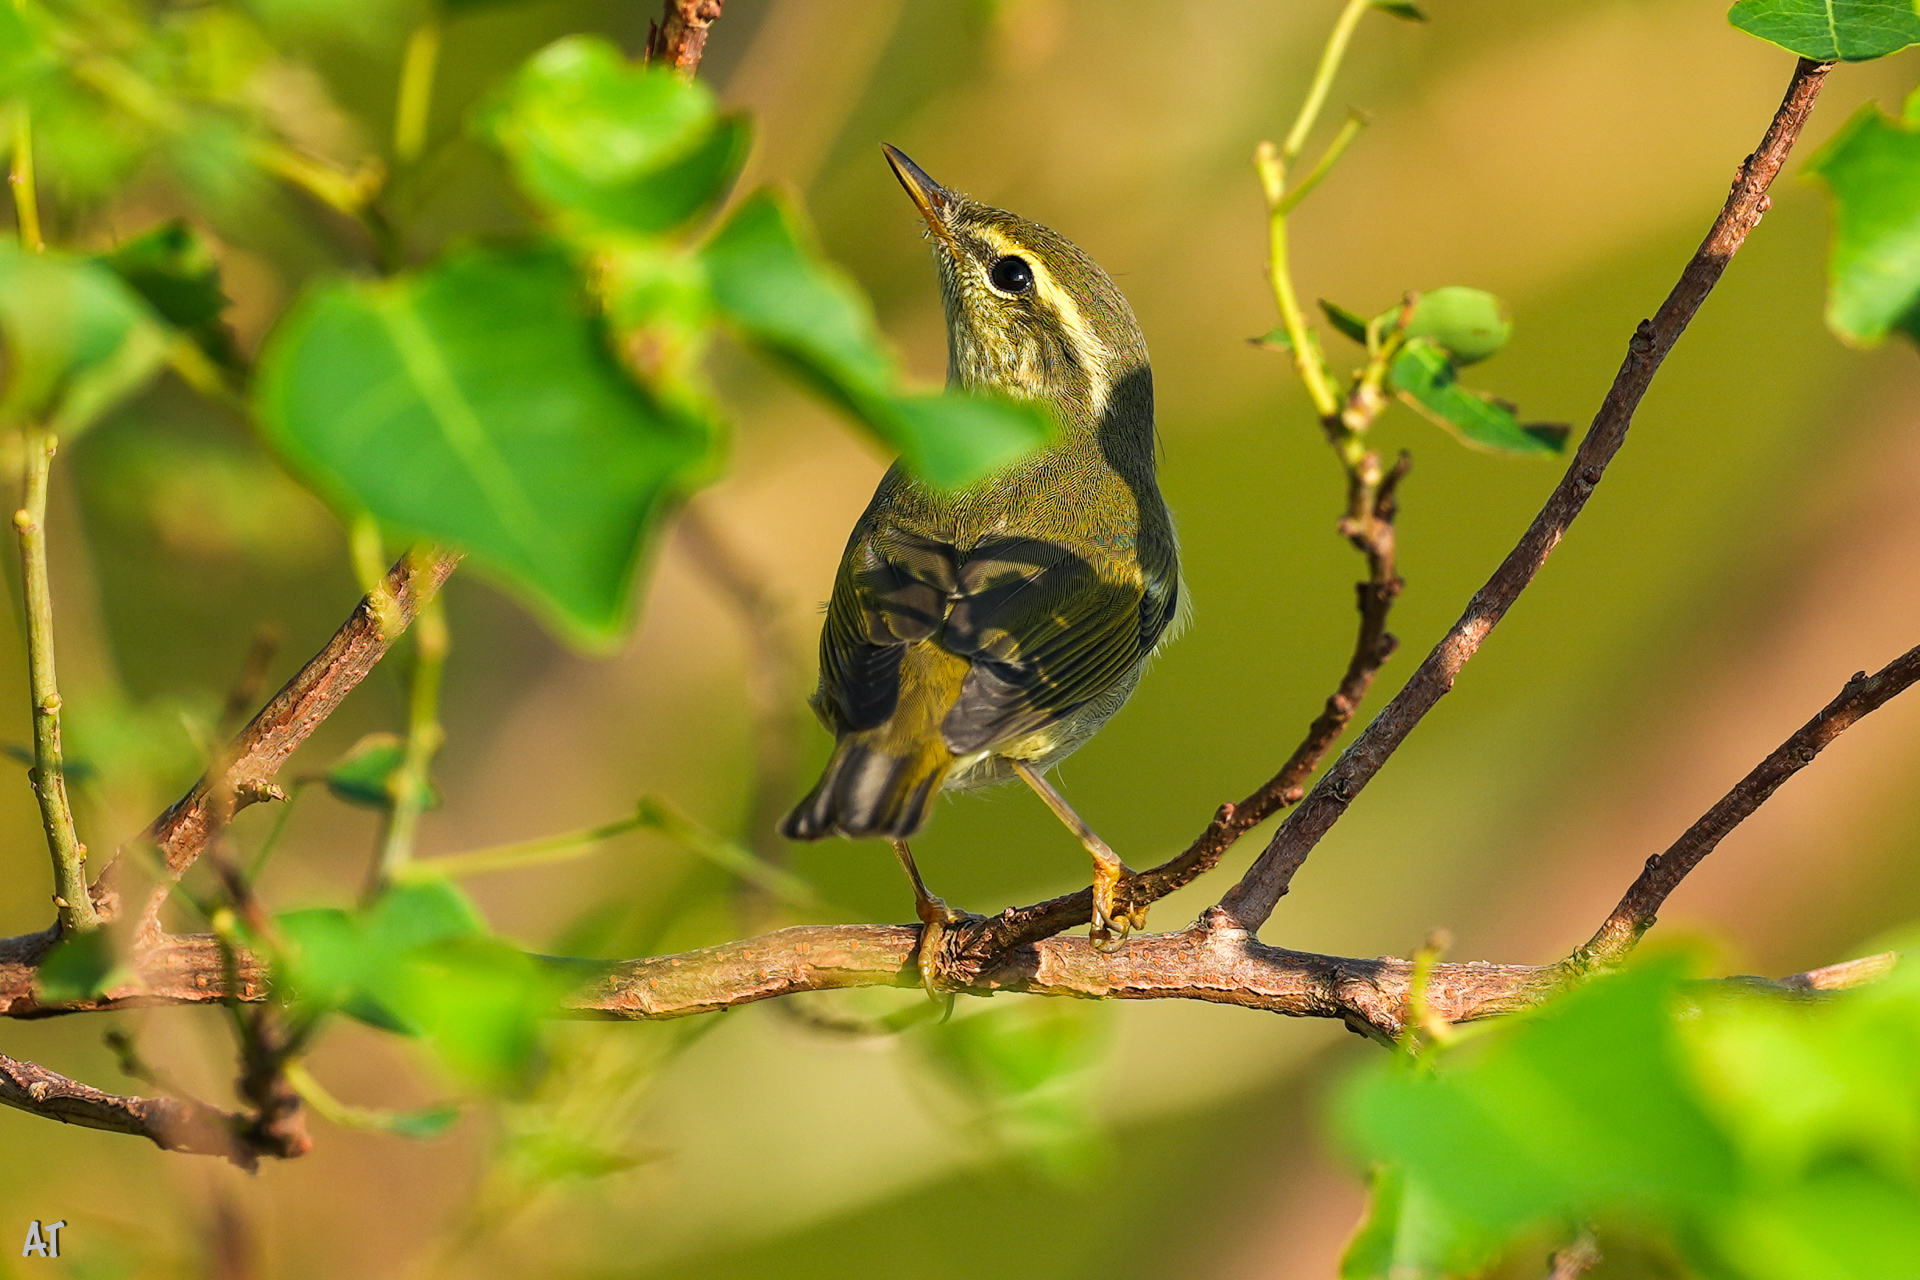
(1427, 381)
(478, 1003)
(429, 1122)
(1406, 1236)
(476, 404)
(1872, 171)
(419, 962)
(174, 270)
(1400, 9)
(771, 283)
(80, 968)
(774, 288)
(1830, 30)
(1468, 324)
(1346, 322)
(78, 339)
(1585, 1107)
(954, 439)
(607, 144)
(364, 775)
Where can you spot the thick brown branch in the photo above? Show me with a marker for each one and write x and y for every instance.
(1250, 902)
(679, 39)
(175, 969)
(1664, 871)
(295, 712)
(1196, 963)
(172, 1124)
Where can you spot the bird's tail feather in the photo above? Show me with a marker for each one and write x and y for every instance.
(882, 781)
(869, 791)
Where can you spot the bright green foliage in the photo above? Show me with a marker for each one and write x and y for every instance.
(1872, 169)
(428, 1122)
(1831, 30)
(1761, 1139)
(1450, 327)
(1023, 1068)
(365, 775)
(785, 299)
(1348, 324)
(475, 403)
(609, 146)
(81, 967)
(420, 962)
(174, 271)
(1428, 381)
(1468, 324)
(78, 340)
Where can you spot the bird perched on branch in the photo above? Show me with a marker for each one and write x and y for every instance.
(984, 633)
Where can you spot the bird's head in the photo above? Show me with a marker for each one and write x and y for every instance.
(1027, 312)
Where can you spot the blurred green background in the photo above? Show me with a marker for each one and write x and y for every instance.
(1757, 542)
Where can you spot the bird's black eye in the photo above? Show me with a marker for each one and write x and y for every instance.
(1011, 274)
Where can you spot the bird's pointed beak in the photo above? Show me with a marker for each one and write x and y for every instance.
(933, 200)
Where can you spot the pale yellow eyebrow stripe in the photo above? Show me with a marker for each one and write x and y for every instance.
(1093, 353)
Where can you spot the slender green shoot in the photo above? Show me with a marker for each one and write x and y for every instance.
(48, 774)
(348, 1116)
(415, 101)
(1349, 130)
(1273, 165)
(725, 854)
(529, 853)
(408, 785)
(258, 863)
(26, 202)
(1305, 348)
(1330, 60)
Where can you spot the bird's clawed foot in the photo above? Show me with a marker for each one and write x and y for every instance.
(936, 917)
(1113, 919)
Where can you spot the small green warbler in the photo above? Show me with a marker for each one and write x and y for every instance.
(984, 633)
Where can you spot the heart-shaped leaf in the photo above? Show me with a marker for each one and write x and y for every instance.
(780, 295)
(78, 339)
(174, 270)
(476, 404)
(1872, 170)
(608, 145)
(1831, 30)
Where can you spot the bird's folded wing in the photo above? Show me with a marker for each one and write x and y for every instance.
(1045, 632)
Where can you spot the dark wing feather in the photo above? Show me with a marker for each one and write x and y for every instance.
(1045, 633)
(891, 590)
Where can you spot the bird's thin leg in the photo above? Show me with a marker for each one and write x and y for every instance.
(1108, 870)
(935, 918)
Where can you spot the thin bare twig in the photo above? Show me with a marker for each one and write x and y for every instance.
(172, 1124)
(679, 39)
(1664, 871)
(1248, 904)
(295, 712)
(1574, 1259)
